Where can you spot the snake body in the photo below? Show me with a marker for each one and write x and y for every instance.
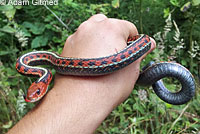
(154, 72)
(136, 47)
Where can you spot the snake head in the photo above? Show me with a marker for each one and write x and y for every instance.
(36, 91)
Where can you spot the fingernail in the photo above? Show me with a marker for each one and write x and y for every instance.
(153, 46)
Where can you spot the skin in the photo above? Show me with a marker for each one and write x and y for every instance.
(78, 105)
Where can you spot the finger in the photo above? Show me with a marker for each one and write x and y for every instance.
(130, 29)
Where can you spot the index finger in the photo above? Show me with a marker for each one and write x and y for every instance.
(126, 28)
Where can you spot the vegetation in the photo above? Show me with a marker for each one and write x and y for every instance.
(175, 25)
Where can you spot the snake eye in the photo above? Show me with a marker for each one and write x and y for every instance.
(38, 91)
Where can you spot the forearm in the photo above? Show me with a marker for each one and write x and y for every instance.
(79, 107)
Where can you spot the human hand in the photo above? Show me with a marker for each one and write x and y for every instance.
(101, 36)
(97, 37)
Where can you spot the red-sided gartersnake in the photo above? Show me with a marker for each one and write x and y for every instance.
(136, 47)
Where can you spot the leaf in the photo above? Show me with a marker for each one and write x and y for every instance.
(166, 12)
(8, 29)
(71, 4)
(185, 7)
(26, 32)
(27, 24)
(8, 125)
(67, 1)
(183, 62)
(39, 41)
(175, 3)
(139, 108)
(196, 119)
(18, 7)
(195, 2)
(10, 13)
(168, 105)
(8, 52)
(36, 28)
(115, 3)
(6, 8)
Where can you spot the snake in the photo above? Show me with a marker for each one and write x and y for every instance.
(137, 46)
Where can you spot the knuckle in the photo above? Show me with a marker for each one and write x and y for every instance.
(83, 25)
(69, 39)
(96, 16)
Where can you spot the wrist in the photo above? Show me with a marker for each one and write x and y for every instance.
(84, 102)
(82, 108)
